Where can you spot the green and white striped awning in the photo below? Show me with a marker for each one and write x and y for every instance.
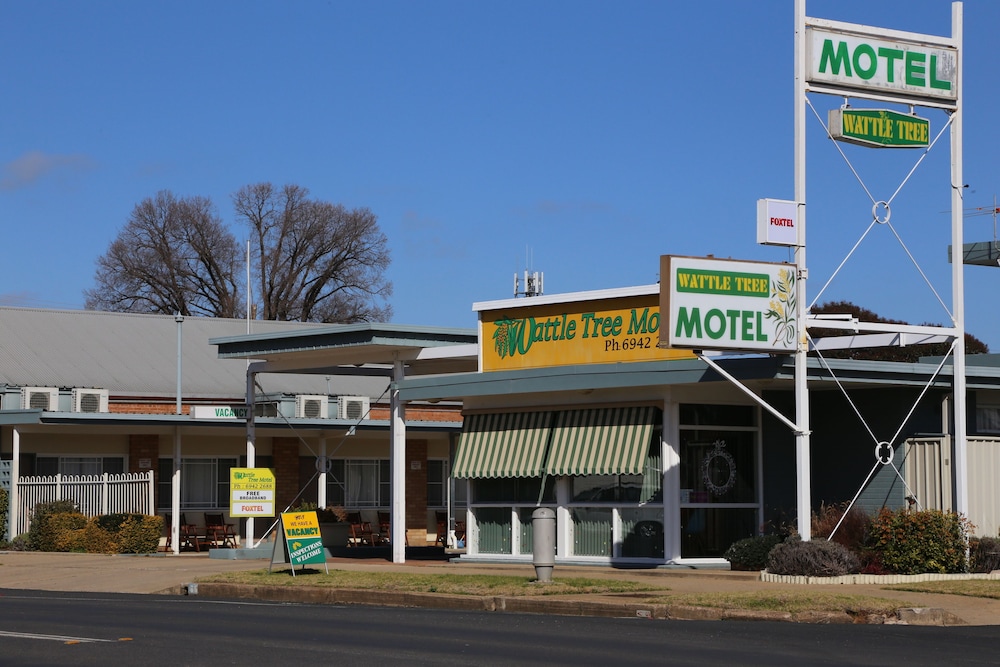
(601, 441)
(503, 445)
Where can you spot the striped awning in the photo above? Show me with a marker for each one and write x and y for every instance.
(508, 444)
(601, 441)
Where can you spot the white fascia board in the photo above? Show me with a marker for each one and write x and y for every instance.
(568, 297)
(826, 322)
(875, 340)
(466, 350)
(880, 33)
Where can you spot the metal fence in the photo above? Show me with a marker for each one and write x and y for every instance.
(93, 494)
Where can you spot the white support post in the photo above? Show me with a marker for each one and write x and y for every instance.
(397, 465)
(958, 271)
(802, 463)
(321, 491)
(13, 515)
(251, 445)
(175, 495)
(671, 457)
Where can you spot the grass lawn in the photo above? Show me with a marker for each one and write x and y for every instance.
(980, 588)
(458, 584)
(512, 586)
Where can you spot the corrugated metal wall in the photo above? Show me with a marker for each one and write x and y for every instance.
(927, 470)
(984, 492)
(929, 473)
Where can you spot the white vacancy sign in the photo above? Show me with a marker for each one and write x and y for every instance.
(714, 304)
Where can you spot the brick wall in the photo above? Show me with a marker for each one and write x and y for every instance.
(286, 471)
(143, 448)
(416, 492)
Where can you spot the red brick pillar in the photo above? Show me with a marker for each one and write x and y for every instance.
(286, 471)
(416, 492)
(144, 454)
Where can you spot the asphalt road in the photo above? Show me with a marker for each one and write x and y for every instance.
(45, 628)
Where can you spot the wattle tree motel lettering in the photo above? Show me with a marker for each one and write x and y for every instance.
(518, 336)
(716, 323)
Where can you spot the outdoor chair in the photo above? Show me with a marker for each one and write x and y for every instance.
(361, 530)
(187, 536)
(218, 532)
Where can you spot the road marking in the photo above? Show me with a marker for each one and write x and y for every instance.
(57, 638)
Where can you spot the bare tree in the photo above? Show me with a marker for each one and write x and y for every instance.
(315, 261)
(172, 256)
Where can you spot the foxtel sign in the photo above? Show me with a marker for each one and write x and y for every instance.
(714, 304)
(846, 57)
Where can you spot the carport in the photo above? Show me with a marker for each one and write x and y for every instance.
(391, 350)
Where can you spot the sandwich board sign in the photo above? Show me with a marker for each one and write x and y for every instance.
(303, 543)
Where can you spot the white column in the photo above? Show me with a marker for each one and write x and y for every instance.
(802, 453)
(322, 467)
(958, 273)
(670, 452)
(248, 539)
(397, 465)
(175, 494)
(13, 515)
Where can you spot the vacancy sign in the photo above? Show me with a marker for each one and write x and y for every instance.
(777, 222)
(251, 492)
(714, 304)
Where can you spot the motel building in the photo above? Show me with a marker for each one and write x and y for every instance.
(145, 400)
(649, 456)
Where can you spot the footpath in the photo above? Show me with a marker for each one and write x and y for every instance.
(180, 574)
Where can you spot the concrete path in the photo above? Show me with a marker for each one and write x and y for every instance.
(169, 574)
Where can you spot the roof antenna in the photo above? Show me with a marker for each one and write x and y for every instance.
(533, 280)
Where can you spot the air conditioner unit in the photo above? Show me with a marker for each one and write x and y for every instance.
(90, 400)
(311, 407)
(352, 407)
(40, 398)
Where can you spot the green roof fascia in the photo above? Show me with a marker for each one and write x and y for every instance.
(342, 336)
(39, 417)
(582, 377)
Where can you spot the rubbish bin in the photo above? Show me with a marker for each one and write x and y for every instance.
(543, 542)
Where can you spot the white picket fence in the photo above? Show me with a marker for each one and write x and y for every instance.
(93, 494)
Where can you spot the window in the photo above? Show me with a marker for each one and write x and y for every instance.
(359, 483)
(988, 419)
(204, 483)
(437, 478)
(79, 465)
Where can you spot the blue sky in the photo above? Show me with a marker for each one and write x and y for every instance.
(581, 139)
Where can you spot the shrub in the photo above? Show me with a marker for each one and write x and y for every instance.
(751, 553)
(140, 534)
(98, 540)
(40, 537)
(984, 554)
(916, 542)
(4, 508)
(853, 526)
(818, 558)
(63, 531)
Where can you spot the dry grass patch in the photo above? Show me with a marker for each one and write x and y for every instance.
(980, 588)
(793, 602)
(458, 584)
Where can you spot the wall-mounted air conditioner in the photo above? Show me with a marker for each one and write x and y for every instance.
(311, 407)
(90, 400)
(352, 407)
(40, 398)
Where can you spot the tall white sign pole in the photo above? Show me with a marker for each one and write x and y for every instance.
(958, 271)
(802, 472)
